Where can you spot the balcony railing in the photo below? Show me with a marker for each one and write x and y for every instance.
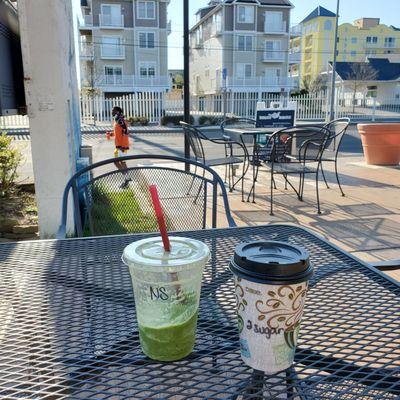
(296, 30)
(389, 45)
(261, 82)
(274, 56)
(86, 51)
(371, 44)
(279, 27)
(87, 21)
(111, 21)
(294, 58)
(134, 81)
(111, 51)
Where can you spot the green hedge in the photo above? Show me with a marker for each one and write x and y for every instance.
(143, 121)
(174, 120)
(210, 120)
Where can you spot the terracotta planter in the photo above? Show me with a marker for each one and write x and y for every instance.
(381, 143)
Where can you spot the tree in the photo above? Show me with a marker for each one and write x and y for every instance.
(316, 85)
(359, 74)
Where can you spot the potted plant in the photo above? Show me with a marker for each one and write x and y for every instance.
(381, 143)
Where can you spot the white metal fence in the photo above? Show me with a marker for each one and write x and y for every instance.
(154, 105)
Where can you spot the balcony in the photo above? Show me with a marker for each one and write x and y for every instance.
(278, 28)
(389, 45)
(131, 83)
(87, 22)
(294, 57)
(264, 83)
(112, 52)
(371, 45)
(86, 51)
(274, 56)
(296, 31)
(111, 21)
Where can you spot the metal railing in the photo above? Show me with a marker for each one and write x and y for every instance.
(274, 56)
(112, 51)
(111, 21)
(279, 27)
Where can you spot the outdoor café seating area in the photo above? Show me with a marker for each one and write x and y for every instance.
(220, 309)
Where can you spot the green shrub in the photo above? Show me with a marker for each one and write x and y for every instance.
(135, 121)
(9, 161)
(209, 120)
(174, 120)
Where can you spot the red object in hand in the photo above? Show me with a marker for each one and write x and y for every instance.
(108, 135)
(160, 217)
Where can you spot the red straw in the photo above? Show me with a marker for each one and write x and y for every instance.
(160, 217)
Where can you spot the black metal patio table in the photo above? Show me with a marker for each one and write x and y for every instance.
(68, 328)
(253, 132)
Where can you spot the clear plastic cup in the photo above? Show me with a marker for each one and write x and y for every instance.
(166, 288)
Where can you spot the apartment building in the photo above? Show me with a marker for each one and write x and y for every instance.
(124, 45)
(242, 44)
(312, 42)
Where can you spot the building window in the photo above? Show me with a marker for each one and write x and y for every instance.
(274, 22)
(111, 15)
(372, 39)
(328, 25)
(146, 10)
(244, 71)
(147, 69)
(353, 53)
(273, 50)
(354, 40)
(111, 46)
(245, 14)
(245, 43)
(389, 41)
(369, 53)
(112, 74)
(146, 40)
(372, 91)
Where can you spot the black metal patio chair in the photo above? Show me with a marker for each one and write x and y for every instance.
(230, 157)
(297, 151)
(338, 128)
(102, 207)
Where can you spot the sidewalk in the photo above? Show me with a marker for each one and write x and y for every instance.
(366, 222)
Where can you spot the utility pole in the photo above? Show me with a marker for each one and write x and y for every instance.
(186, 75)
(333, 88)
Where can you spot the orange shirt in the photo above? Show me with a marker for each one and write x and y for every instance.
(121, 137)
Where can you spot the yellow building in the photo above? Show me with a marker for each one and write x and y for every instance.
(312, 43)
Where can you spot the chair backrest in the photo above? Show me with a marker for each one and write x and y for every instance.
(103, 206)
(194, 137)
(338, 128)
(302, 143)
(238, 123)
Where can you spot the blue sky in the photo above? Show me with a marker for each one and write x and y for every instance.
(387, 10)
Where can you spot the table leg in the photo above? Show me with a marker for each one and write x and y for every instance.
(253, 187)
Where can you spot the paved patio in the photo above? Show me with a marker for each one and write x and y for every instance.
(366, 222)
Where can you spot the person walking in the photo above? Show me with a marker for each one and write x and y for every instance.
(121, 140)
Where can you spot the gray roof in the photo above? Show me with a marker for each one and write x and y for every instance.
(383, 69)
(319, 12)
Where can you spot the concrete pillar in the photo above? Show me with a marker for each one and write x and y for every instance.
(49, 59)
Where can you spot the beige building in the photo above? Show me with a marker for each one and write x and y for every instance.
(244, 41)
(124, 45)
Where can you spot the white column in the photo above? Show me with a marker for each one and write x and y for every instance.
(48, 50)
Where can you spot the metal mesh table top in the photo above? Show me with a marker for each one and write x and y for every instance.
(68, 328)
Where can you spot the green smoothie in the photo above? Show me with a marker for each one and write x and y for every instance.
(170, 342)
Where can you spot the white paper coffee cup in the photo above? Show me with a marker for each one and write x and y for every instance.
(271, 281)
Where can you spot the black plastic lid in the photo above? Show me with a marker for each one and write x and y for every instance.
(271, 262)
